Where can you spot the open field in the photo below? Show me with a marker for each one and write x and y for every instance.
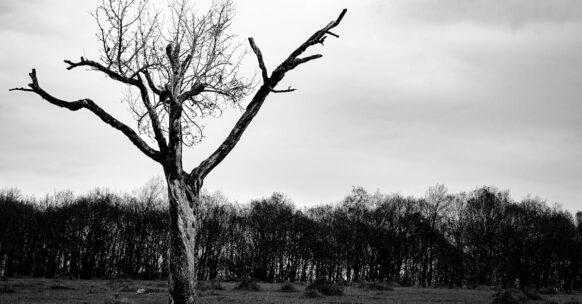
(124, 291)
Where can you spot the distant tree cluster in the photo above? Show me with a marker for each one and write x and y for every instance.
(478, 238)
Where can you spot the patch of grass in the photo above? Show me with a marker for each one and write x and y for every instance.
(248, 285)
(126, 288)
(209, 285)
(211, 293)
(114, 282)
(326, 288)
(36, 291)
(378, 286)
(96, 289)
(116, 300)
(7, 289)
(288, 287)
(395, 284)
(156, 290)
(25, 285)
(61, 287)
(162, 285)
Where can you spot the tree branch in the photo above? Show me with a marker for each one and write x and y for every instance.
(257, 52)
(235, 134)
(195, 90)
(155, 121)
(317, 38)
(254, 106)
(290, 89)
(299, 61)
(333, 34)
(151, 84)
(21, 89)
(135, 81)
(100, 67)
(91, 106)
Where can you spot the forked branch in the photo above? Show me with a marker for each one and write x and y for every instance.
(259, 55)
(93, 107)
(133, 80)
(269, 83)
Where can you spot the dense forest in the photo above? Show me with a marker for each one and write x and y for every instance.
(481, 237)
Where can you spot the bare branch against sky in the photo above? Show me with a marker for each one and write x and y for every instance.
(464, 93)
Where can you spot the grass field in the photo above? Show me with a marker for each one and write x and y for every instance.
(27, 290)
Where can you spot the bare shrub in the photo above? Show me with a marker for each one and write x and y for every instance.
(509, 296)
(312, 293)
(326, 288)
(249, 285)
(288, 287)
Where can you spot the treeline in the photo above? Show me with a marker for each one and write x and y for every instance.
(478, 238)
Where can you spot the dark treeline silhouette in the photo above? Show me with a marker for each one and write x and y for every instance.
(478, 238)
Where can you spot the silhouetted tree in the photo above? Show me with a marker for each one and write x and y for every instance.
(179, 73)
(482, 238)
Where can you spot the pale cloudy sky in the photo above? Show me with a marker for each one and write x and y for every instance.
(464, 93)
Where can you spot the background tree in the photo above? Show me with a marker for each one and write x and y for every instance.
(178, 73)
(365, 237)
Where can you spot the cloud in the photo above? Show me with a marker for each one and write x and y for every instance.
(413, 93)
(509, 13)
(41, 17)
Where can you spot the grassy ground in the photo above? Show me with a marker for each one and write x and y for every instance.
(124, 292)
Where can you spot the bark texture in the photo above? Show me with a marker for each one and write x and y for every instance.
(183, 204)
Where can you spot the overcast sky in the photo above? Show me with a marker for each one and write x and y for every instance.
(465, 93)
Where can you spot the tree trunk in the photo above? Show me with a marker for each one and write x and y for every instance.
(183, 201)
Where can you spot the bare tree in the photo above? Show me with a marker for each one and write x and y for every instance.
(152, 194)
(438, 204)
(178, 73)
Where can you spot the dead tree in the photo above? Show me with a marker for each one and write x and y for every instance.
(178, 73)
